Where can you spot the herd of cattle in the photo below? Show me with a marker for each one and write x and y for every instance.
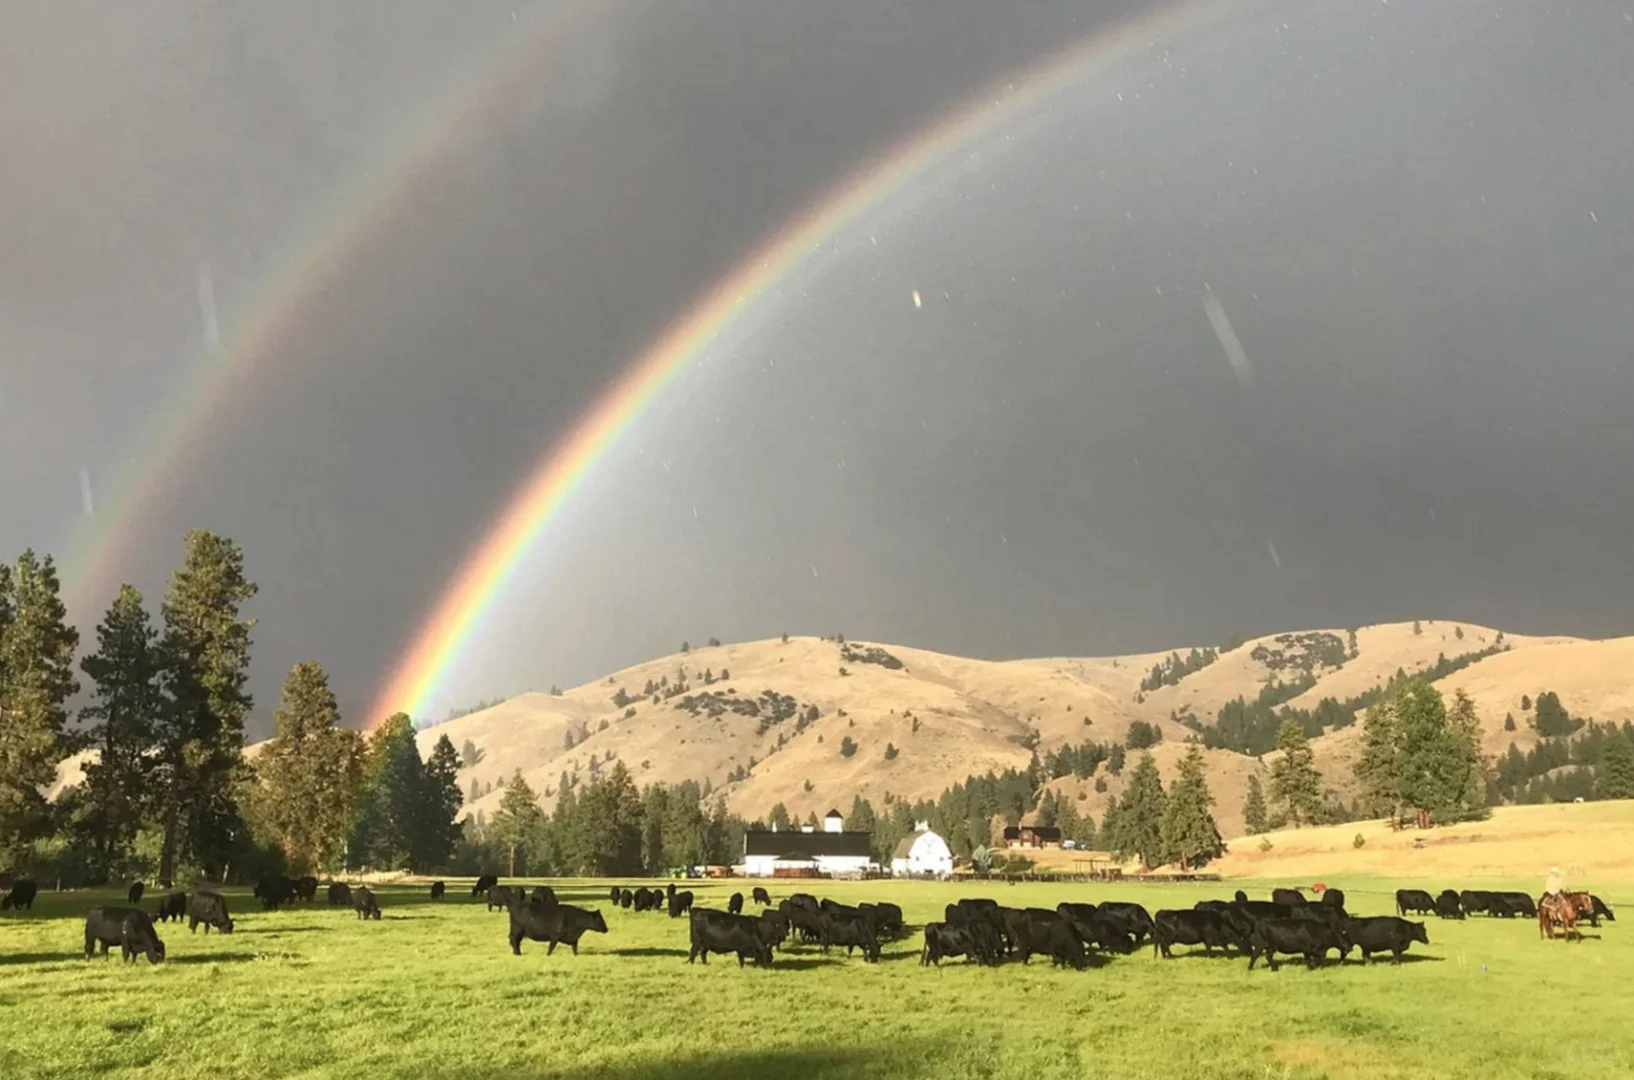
(980, 930)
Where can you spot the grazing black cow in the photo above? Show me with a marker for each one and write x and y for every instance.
(734, 904)
(1382, 933)
(613, 895)
(1036, 930)
(500, 896)
(363, 902)
(851, 928)
(1300, 937)
(1601, 911)
(306, 888)
(727, 932)
(1416, 901)
(680, 903)
(642, 901)
(1517, 903)
(1206, 928)
(775, 927)
(1447, 905)
(208, 909)
(1128, 918)
(132, 930)
(1334, 898)
(133, 895)
(974, 940)
(626, 898)
(980, 910)
(274, 890)
(761, 896)
(1474, 900)
(543, 895)
(1086, 922)
(437, 890)
(804, 920)
(21, 896)
(1287, 896)
(888, 918)
(1267, 909)
(563, 924)
(173, 906)
(484, 883)
(340, 894)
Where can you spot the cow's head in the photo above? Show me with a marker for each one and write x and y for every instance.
(1416, 931)
(597, 923)
(227, 926)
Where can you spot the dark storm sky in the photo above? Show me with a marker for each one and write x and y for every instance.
(1415, 216)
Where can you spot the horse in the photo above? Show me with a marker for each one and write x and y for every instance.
(1559, 910)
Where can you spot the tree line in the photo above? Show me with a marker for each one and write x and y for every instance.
(167, 791)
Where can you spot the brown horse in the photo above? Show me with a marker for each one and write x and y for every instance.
(1559, 911)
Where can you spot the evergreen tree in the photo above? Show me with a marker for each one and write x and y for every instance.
(118, 724)
(862, 817)
(1433, 759)
(1066, 818)
(1296, 786)
(440, 806)
(1614, 779)
(609, 839)
(470, 756)
(1254, 820)
(517, 820)
(1552, 720)
(1376, 768)
(1048, 810)
(1189, 833)
(206, 656)
(779, 818)
(1139, 819)
(36, 680)
(390, 805)
(312, 770)
(1114, 762)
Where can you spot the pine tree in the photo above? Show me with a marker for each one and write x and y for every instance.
(440, 803)
(1189, 832)
(517, 820)
(1552, 720)
(779, 818)
(118, 724)
(1139, 819)
(1254, 807)
(1433, 760)
(1464, 725)
(36, 680)
(1376, 768)
(392, 797)
(608, 841)
(1048, 809)
(1066, 819)
(206, 656)
(1417, 629)
(1296, 786)
(1614, 779)
(312, 770)
(1114, 762)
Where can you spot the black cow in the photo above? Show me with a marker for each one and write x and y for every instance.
(562, 924)
(437, 890)
(680, 903)
(775, 926)
(133, 895)
(132, 930)
(274, 890)
(1417, 901)
(613, 895)
(208, 909)
(1447, 905)
(626, 898)
(484, 883)
(1517, 903)
(173, 906)
(1256, 910)
(1300, 937)
(728, 932)
(1287, 896)
(543, 895)
(1382, 933)
(1600, 911)
(21, 896)
(850, 928)
(761, 896)
(1334, 898)
(973, 910)
(1036, 930)
(306, 888)
(734, 904)
(500, 896)
(974, 940)
(1086, 922)
(1473, 900)
(1127, 918)
(1206, 928)
(806, 921)
(340, 894)
(642, 901)
(888, 918)
(363, 902)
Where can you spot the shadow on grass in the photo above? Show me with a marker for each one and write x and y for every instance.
(1407, 958)
(263, 929)
(19, 959)
(678, 953)
(807, 1063)
(213, 958)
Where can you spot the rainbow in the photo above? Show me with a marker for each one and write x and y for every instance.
(421, 672)
(367, 202)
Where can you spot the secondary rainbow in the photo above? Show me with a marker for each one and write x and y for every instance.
(421, 671)
(366, 203)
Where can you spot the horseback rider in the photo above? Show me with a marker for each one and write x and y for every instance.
(1556, 883)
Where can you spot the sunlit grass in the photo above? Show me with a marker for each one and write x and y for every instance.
(432, 991)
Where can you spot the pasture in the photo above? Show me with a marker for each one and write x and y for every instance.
(431, 992)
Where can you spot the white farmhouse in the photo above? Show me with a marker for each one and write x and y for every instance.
(808, 853)
(922, 853)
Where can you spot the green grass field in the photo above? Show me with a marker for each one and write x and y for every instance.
(432, 992)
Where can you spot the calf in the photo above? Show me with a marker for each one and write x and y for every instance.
(1417, 901)
(305, 888)
(1301, 937)
(1382, 933)
(340, 894)
(20, 897)
(134, 894)
(437, 890)
(484, 883)
(1206, 928)
(680, 903)
(727, 932)
(363, 902)
(1447, 905)
(734, 904)
(761, 896)
(562, 924)
(851, 929)
(128, 928)
(173, 906)
(208, 909)
(1287, 896)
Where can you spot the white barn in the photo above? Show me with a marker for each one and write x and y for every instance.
(832, 851)
(923, 853)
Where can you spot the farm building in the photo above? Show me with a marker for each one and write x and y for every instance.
(922, 853)
(1033, 836)
(807, 853)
